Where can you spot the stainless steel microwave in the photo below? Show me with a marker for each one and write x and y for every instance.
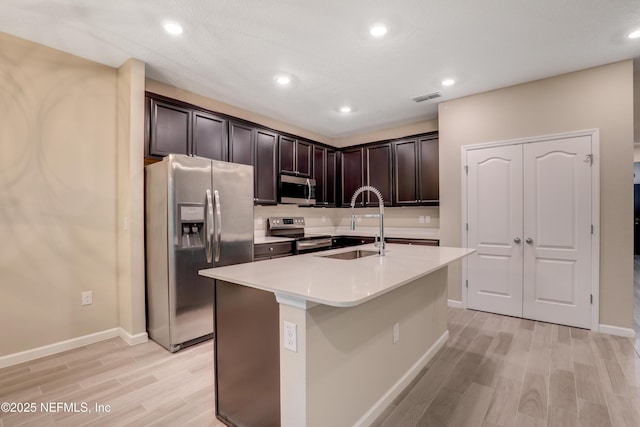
(297, 190)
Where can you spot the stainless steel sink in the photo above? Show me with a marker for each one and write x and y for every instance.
(355, 254)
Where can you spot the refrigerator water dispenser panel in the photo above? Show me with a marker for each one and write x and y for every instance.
(191, 225)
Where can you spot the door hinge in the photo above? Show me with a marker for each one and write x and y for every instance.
(591, 298)
(589, 159)
(466, 170)
(591, 228)
(466, 226)
(467, 284)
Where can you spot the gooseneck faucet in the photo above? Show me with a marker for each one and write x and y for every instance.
(380, 216)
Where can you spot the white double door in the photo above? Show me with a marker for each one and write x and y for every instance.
(529, 219)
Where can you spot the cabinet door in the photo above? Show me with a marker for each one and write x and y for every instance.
(209, 136)
(330, 178)
(352, 175)
(303, 158)
(170, 129)
(406, 172)
(240, 143)
(265, 167)
(319, 174)
(379, 174)
(287, 155)
(429, 171)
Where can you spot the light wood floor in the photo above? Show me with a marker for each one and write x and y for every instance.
(503, 371)
(494, 371)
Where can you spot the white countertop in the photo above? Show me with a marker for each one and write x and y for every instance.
(258, 240)
(336, 282)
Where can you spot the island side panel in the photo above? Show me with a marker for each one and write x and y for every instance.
(350, 369)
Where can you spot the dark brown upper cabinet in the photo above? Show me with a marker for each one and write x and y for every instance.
(176, 128)
(241, 145)
(265, 167)
(258, 147)
(352, 172)
(378, 164)
(295, 156)
(169, 129)
(324, 172)
(416, 171)
(209, 136)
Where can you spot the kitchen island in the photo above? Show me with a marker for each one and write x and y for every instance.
(364, 328)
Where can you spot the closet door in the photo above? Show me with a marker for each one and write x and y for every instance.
(557, 231)
(494, 215)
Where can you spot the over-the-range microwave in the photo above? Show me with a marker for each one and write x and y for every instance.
(297, 190)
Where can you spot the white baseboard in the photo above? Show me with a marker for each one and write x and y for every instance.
(133, 339)
(454, 304)
(378, 408)
(59, 347)
(616, 330)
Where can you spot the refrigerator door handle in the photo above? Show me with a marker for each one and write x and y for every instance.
(209, 231)
(216, 196)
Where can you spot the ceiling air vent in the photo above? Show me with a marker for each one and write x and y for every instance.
(427, 96)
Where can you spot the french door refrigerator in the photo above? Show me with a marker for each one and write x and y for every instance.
(198, 214)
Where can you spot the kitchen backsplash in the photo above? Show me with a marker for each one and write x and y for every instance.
(406, 217)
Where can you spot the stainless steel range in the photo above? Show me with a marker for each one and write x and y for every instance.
(294, 227)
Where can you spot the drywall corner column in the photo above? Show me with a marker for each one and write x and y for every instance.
(293, 366)
(130, 202)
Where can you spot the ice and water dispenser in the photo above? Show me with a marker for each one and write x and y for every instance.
(191, 225)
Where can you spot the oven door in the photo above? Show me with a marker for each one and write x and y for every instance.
(296, 190)
(312, 245)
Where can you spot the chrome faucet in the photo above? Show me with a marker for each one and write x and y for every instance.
(380, 216)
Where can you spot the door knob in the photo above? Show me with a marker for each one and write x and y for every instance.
(529, 240)
(517, 240)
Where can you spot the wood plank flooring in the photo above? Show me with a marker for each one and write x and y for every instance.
(502, 371)
(494, 371)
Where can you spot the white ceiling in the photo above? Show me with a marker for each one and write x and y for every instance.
(232, 49)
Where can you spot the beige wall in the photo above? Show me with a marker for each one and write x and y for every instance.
(423, 126)
(600, 98)
(57, 196)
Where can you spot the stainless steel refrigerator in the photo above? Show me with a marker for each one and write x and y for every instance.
(198, 214)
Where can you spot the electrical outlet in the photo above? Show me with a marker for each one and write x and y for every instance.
(396, 333)
(87, 298)
(260, 220)
(421, 219)
(324, 218)
(427, 219)
(290, 336)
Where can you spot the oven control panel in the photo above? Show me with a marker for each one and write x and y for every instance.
(275, 223)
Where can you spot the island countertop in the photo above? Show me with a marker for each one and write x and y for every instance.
(336, 282)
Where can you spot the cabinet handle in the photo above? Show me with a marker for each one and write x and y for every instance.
(517, 240)
(529, 240)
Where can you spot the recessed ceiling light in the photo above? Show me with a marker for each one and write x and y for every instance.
(378, 30)
(345, 109)
(173, 28)
(634, 35)
(283, 80)
(448, 82)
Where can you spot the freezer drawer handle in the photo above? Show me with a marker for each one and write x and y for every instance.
(216, 196)
(209, 235)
